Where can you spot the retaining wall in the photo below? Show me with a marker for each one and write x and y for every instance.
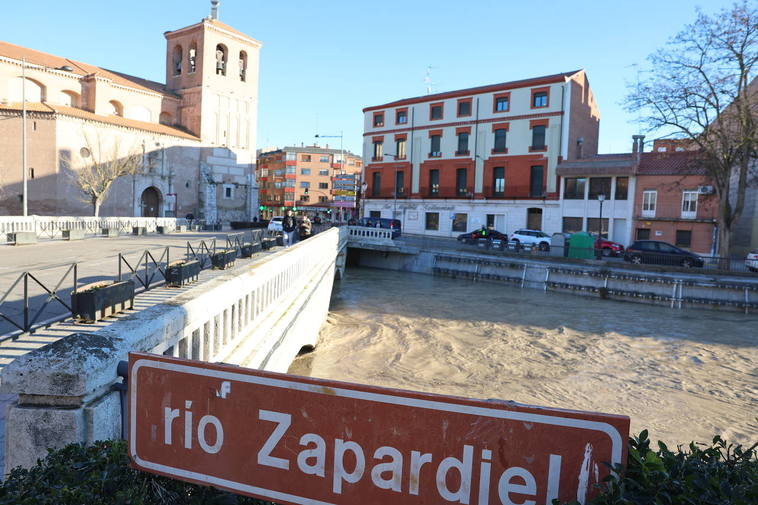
(622, 282)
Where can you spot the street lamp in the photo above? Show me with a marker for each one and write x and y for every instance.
(601, 199)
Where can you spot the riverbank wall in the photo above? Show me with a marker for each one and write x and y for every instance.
(676, 289)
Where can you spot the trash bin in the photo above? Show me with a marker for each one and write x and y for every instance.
(582, 245)
(557, 244)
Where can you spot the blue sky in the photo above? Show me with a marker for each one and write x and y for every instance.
(322, 62)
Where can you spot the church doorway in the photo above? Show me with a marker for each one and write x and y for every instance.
(150, 202)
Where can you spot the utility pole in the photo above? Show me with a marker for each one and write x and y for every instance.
(23, 137)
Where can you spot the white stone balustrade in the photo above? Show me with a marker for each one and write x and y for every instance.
(370, 234)
(51, 227)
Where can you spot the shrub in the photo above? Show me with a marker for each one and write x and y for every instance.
(722, 474)
(98, 474)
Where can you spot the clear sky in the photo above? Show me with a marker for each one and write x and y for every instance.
(322, 62)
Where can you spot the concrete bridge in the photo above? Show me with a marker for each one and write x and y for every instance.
(260, 314)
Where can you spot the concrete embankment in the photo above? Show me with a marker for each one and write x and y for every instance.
(676, 289)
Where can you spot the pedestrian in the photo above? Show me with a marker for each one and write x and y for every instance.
(305, 227)
(288, 227)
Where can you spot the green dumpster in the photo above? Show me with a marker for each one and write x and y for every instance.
(582, 245)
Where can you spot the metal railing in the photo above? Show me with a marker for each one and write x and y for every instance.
(148, 271)
(646, 260)
(30, 316)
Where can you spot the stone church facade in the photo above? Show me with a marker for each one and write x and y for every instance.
(195, 134)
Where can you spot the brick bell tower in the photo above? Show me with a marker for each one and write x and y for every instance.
(214, 69)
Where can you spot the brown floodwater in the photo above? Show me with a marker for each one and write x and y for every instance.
(682, 374)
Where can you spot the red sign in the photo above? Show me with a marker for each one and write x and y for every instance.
(308, 441)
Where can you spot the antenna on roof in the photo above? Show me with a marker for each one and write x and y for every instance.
(428, 80)
(214, 9)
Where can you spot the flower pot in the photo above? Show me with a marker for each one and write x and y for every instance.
(98, 300)
(182, 272)
(109, 232)
(73, 234)
(223, 259)
(249, 249)
(267, 243)
(138, 230)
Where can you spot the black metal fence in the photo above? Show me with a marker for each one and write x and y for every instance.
(40, 302)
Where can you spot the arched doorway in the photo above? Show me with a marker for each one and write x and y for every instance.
(150, 202)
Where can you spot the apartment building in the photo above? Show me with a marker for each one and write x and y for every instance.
(661, 195)
(304, 178)
(675, 202)
(450, 162)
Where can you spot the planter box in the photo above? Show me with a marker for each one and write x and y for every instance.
(163, 230)
(139, 230)
(73, 234)
(224, 259)
(22, 237)
(181, 228)
(98, 300)
(212, 227)
(249, 249)
(110, 232)
(182, 272)
(267, 243)
(280, 240)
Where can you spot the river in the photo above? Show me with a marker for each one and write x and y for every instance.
(682, 374)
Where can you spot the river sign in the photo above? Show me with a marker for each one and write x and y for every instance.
(299, 440)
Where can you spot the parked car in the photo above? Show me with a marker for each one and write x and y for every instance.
(382, 222)
(533, 237)
(609, 247)
(751, 262)
(472, 236)
(660, 253)
(275, 224)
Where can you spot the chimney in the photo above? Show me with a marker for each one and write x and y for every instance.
(214, 9)
(638, 145)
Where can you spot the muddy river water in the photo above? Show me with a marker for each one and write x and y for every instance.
(682, 374)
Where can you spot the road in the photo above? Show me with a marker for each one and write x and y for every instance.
(97, 259)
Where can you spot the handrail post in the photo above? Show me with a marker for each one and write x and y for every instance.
(26, 301)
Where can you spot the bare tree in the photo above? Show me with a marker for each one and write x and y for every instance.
(102, 167)
(702, 87)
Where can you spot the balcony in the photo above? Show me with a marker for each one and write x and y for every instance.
(463, 153)
(435, 154)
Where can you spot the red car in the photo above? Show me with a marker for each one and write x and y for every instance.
(608, 247)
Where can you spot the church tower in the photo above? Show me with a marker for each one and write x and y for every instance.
(214, 69)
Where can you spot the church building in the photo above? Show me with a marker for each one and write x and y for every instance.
(194, 136)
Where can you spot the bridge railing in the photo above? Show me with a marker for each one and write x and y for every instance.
(368, 233)
(52, 227)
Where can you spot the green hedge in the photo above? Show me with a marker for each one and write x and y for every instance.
(721, 474)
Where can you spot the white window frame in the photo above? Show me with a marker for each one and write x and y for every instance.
(649, 200)
(689, 204)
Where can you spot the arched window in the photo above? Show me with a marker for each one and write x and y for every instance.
(178, 60)
(117, 108)
(221, 59)
(166, 118)
(192, 57)
(243, 65)
(70, 98)
(35, 91)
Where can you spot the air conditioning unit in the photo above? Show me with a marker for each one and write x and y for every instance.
(705, 190)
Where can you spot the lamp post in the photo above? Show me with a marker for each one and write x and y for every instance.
(598, 249)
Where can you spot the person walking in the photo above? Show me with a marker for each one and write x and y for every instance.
(305, 227)
(288, 227)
